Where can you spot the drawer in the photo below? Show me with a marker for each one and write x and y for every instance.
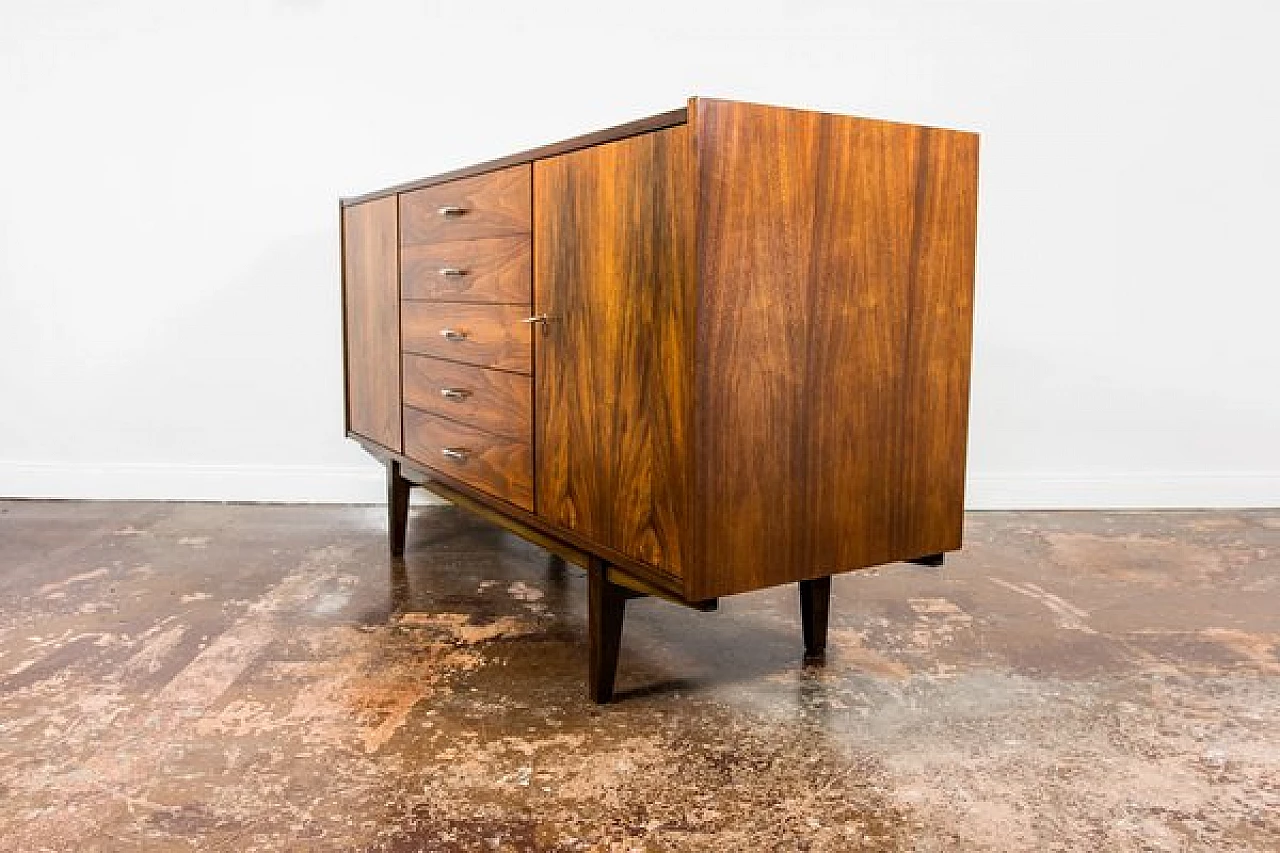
(493, 400)
(495, 464)
(495, 204)
(491, 269)
(483, 335)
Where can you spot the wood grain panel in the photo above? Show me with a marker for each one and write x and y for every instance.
(834, 315)
(939, 341)
(495, 464)
(757, 197)
(613, 269)
(371, 318)
(492, 400)
(495, 205)
(495, 335)
(493, 269)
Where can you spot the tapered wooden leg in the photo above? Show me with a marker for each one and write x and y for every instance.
(931, 560)
(815, 604)
(397, 508)
(607, 607)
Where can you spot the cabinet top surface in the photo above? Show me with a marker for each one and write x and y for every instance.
(622, 131)
(599, 137)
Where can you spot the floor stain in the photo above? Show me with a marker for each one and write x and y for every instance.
(261, 678)
(1066, 615)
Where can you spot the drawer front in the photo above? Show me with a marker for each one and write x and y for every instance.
(492, 205)
(493, 269)
(483, 335)
(493, 400)
(495, 464)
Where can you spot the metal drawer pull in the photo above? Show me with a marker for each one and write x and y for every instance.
(455, 393)
(453, 335)
(451, 210)
(457, 454)
(536, 318)
(452, 272)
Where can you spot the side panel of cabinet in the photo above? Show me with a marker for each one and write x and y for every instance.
(836, 261)
(371, 318)
(613, 270)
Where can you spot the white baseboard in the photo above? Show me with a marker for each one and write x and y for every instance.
(359, 484)
(365, 484)
(1123, 491)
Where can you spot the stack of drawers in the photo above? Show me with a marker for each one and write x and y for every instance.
(466, 343)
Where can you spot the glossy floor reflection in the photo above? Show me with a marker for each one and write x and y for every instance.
(213, 677)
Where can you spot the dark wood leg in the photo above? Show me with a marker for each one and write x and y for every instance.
(401, 592)
(815, 604)
(556, 565)
(397, 508)
(607, 606)
(933, 561)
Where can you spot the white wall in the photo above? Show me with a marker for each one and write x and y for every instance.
(169, 315)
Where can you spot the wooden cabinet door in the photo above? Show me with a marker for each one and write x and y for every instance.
(614, 273)
(371, 320)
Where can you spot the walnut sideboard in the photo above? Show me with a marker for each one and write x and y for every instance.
(710, 351)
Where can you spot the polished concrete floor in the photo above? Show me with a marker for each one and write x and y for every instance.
(210, 677)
